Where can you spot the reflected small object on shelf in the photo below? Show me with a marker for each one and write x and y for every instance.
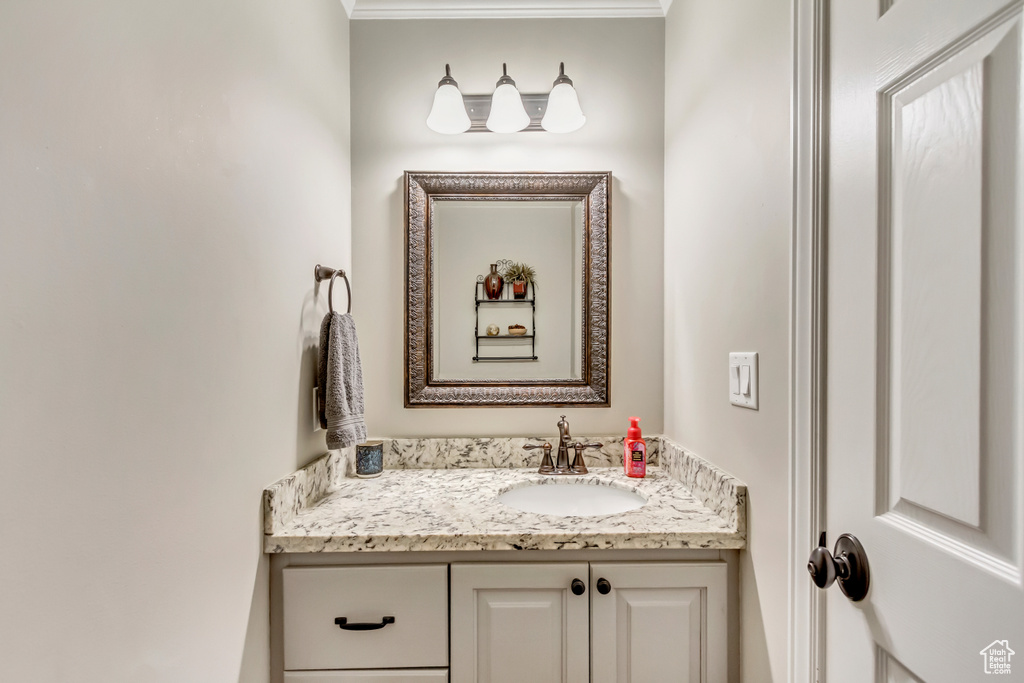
(493, 283)
(516, 330)
(493, 330)
(520, 276)
(369, 459)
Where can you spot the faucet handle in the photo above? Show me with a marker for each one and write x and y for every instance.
(546, 466)
(578, 466)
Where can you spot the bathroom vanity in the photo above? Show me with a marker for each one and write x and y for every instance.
(424, 575)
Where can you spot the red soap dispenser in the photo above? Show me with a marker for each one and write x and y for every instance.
(635, 456)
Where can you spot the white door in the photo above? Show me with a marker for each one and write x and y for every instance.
(925, 337)
(658, 622)
(517, 622)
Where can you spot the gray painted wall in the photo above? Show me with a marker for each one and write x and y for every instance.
(170, 173)
(728, 198)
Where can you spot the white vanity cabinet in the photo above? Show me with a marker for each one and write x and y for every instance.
(481, 592)
(634, 621)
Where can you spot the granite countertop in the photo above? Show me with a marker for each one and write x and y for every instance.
(690, 504)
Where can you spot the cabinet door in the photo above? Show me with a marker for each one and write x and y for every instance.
(659, 622)
(519, 622)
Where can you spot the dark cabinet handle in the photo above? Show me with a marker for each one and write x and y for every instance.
(342, 622)
(578, 587)
(604, 587)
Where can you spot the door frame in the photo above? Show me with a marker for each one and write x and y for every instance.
(808, 320)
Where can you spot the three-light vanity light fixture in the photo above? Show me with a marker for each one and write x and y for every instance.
(505, 110)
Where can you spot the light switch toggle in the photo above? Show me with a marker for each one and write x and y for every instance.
(743, 379)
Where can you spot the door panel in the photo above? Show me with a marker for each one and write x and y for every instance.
(934, 296)
(946, 295)
(891, 671)
(925, 334)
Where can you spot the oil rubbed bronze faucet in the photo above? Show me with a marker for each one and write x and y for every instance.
(561, 465)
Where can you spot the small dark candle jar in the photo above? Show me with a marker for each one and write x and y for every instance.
(370, 459)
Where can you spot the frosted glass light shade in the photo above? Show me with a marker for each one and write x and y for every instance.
(507, 112)
(563, 114)
(448, 115)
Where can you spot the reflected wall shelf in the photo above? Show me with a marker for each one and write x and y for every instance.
(481, 299)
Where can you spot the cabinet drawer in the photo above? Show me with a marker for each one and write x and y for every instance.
(314, 597)
(374, 676)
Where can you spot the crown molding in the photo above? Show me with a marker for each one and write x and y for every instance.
(503, 9)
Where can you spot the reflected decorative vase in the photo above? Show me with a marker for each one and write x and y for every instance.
(493, 283)
(519, 289)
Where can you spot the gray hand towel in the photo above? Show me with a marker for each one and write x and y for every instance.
(341, 382)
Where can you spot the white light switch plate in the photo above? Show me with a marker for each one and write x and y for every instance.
(743, 379)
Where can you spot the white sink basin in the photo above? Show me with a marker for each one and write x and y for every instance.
(571, 500)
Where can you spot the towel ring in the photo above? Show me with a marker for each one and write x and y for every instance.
(321, 273)
(330, 291)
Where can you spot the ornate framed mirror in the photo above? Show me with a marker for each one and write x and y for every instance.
(507, 283)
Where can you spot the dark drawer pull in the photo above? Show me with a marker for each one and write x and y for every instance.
(345, 626)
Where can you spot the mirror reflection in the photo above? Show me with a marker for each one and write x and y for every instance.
(507, 289)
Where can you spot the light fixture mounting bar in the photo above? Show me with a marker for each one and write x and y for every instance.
(479, 107)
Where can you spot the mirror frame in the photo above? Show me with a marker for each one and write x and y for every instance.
(422, 189)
